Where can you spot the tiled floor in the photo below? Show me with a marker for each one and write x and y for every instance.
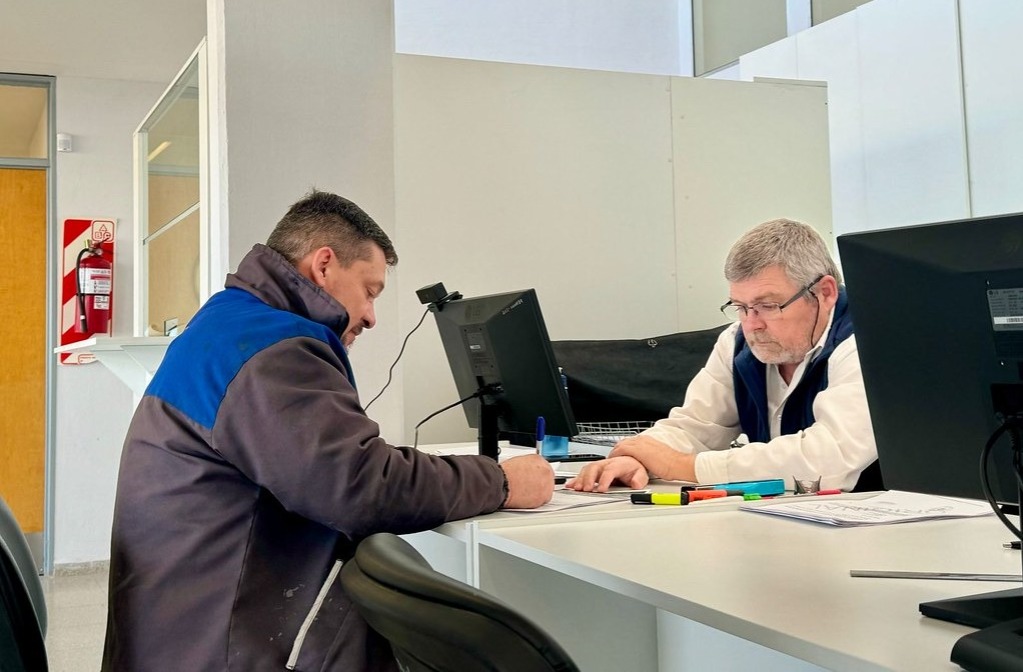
(76, 607)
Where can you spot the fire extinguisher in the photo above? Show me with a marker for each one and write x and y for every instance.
(93, 276)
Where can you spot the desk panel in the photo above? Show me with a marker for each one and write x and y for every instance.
(782, 584)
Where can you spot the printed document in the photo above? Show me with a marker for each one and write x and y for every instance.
(894, 506)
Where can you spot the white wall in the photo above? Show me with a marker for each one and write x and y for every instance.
(649, 36)
(741, 155)
(922, 102)
(992, 69)
(304, 100)
(93, 408)
(612, 194)
(129, 40)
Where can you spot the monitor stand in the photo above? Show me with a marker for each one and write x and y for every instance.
(998, 645)
(487, 435)
(997, 648)
(978, 611)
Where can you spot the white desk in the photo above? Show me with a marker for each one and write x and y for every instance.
(780, 584)
(677, 588)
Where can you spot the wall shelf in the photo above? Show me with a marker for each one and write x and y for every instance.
(133, 360)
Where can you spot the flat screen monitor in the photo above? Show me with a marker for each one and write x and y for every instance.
(498, 349)
(938, 315)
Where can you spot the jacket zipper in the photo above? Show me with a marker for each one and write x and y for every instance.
(311, 616)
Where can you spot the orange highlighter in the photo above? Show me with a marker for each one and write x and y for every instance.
(681, 498)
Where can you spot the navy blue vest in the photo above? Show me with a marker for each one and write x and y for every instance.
(750, 381)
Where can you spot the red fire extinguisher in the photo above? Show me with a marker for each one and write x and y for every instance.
(93, 276)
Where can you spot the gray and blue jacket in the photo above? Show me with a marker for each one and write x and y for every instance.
(249, 471)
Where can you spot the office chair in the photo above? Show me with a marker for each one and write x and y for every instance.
(22, 609)
(437, 624)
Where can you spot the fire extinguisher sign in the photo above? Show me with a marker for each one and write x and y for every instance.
(78, 234)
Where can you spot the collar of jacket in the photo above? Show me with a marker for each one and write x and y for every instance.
(270, 277)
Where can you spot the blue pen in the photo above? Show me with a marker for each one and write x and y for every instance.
(540, 425)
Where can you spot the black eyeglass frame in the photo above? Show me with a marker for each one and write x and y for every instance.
(744, 310)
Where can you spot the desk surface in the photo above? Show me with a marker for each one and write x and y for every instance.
(784, 584)
(458, 529)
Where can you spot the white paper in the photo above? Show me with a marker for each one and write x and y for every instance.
(894, 506)
(570, 499)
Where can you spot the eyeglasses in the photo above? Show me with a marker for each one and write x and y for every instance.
(765, 311)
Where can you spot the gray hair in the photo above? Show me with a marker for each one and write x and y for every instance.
(794, 246)
(322, 219)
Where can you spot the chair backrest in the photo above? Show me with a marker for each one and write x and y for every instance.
(12, 536)
(437, 624)
(22, 618)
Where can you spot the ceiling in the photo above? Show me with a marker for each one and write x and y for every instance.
(142, 40)
(138, 40)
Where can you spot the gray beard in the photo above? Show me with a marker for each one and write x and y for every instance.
(769, 355)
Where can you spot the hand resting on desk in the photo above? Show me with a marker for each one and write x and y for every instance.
(599, 476)
(530, 482)
(659, 458)
(631, 462)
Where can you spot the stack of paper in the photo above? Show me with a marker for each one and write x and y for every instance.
(894, 506)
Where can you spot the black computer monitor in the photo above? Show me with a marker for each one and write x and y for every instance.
(938, 314)
(498, 349)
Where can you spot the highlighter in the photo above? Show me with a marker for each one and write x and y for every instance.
(680, 499)
(655, 498)
(688, 496)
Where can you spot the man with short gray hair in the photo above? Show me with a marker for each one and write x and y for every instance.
(786, 374)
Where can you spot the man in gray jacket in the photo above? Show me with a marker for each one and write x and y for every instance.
(250, 470)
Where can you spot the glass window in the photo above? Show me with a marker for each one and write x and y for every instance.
(23, 121)
(724, 30)
(823, 10)
(171, 217)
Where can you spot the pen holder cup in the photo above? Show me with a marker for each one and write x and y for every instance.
(554, 446)
(807, 486)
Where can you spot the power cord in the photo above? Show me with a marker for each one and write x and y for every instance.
(476, 394)
(1011, 425)
(390, 371)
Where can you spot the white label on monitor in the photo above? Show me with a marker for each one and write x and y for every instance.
(1006, 306)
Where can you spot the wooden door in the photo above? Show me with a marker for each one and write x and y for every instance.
(22, 343)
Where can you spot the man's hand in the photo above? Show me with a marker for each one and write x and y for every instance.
(598, 476)
(530, 482)
(659, 459)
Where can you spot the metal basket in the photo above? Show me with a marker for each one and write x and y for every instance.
(609, 433)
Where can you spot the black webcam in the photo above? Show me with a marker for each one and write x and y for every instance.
(436, 296)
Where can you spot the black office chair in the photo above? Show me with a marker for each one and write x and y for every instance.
(437, 624)
(22, 610)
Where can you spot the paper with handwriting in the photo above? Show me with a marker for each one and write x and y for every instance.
(894, 506)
